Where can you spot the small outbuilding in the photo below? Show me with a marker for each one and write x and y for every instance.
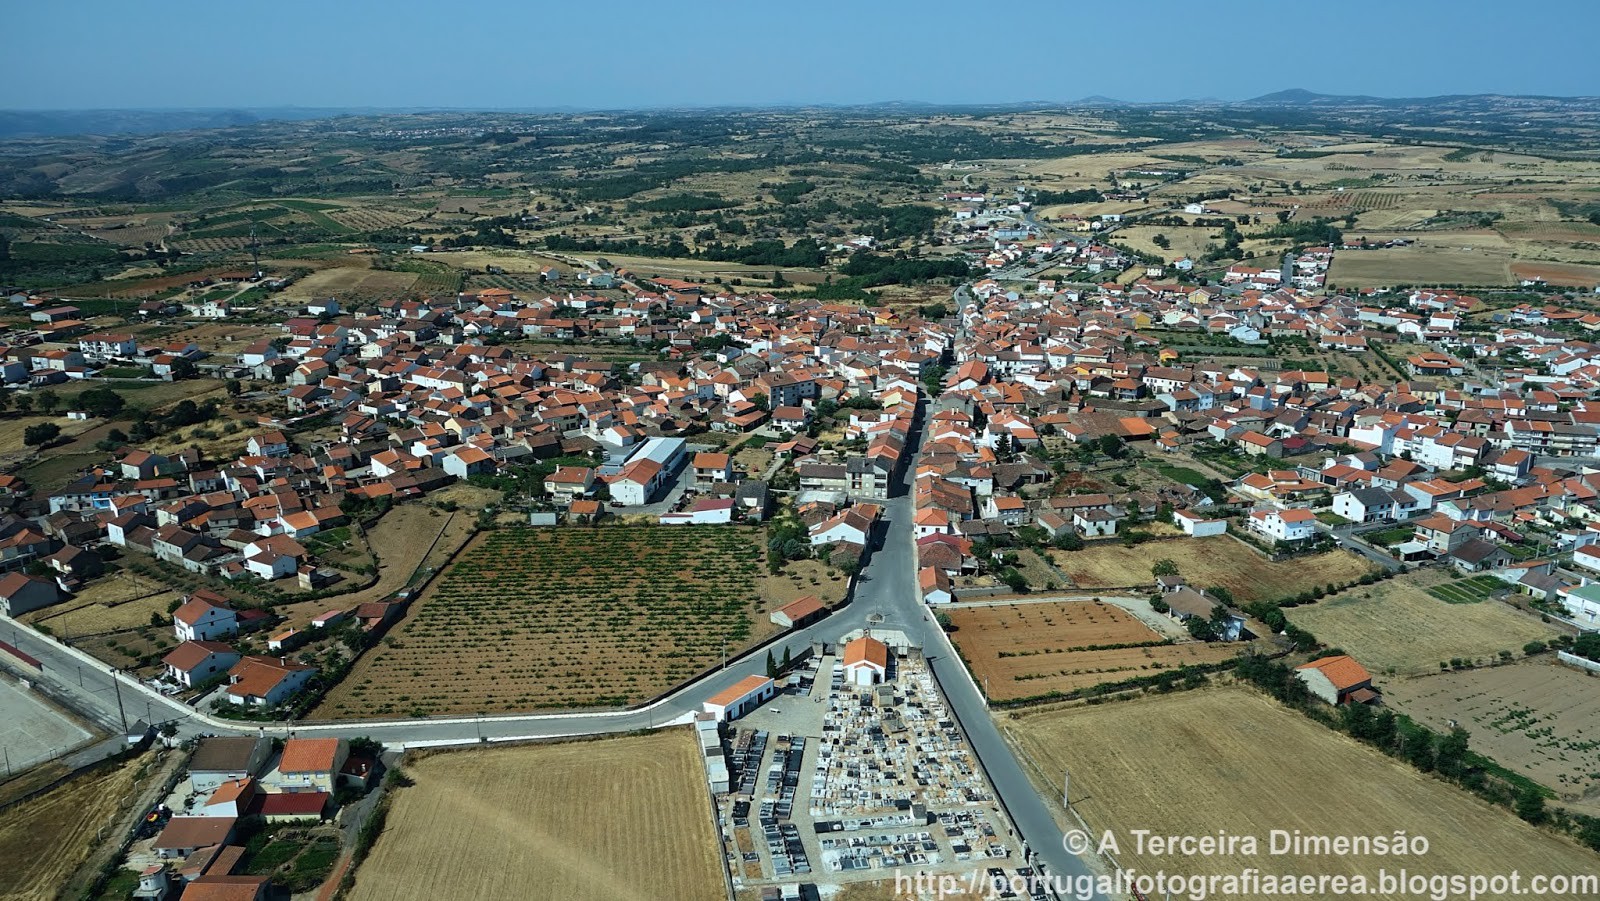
(866, 661)
(740, 698)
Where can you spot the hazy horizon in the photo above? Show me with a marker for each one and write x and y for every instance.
(407, 55)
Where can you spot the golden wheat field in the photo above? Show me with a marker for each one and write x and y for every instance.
(609, 820)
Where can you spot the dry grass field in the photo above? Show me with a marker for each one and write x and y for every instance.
(45, 840)
(1032, 649)
(1540, 718)
(1232, 760)
(530, 619)
(116, 603)
(1206, 562)
(1424, 265)
(513, 261)
(349, 281)
(611, 820)
(224, 337)
(400, 540)
(1396, 626)
(707, 269)
(12, 448)
(1189, 242)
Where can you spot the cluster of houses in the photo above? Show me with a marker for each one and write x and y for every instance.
(208, 626)
(198, 851)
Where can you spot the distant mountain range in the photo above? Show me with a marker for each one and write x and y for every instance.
(58, 123)
(1302, 97)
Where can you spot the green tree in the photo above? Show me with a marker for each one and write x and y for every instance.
(772, 666)
(761, 401)
(24, 404)
(5, 401)
(101, 402)
(1450, 755)
(1530, 804)
(183, 368)
(234, 387)
(1201, 629)
(48, 401)
(1111, 446)
(40, 434)
(1164, 567)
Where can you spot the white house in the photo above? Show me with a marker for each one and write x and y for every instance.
(105, 345)
(707, 511)
(1587, 557)
(1284, 525)
(935, 585)
(1364, 505)
(468, 461)
(1196, 526)
(204, 616)
(194, 662)
(266, 681)
(851, 525)
(1095, 523)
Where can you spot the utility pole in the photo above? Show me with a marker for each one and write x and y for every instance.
(120, 712)
(1066, 789)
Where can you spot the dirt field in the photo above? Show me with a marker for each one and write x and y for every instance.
(399, 540)
(623, 818)
(46, 839)
(1539, 718)
(344, 281)
(1232, 760)
(1206, 562)
(115, 603)
(1025, 650)
(224, 337)
(1563, 274)
(1190, 242)
(562, 618)
(1429, 265)
(1398, 627)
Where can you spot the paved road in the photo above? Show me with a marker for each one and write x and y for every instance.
(1349, 541)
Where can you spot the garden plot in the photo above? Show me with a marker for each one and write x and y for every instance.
(1399, 627)
(1540, 719)
(1032, 649)
(539, 619)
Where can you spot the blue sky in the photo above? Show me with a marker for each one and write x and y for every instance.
(651, 53)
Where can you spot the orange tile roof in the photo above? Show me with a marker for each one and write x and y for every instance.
(737, 690)
(867, 649)
(1342, 670)
(309, 755)
(802, 607)
(232, 790)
